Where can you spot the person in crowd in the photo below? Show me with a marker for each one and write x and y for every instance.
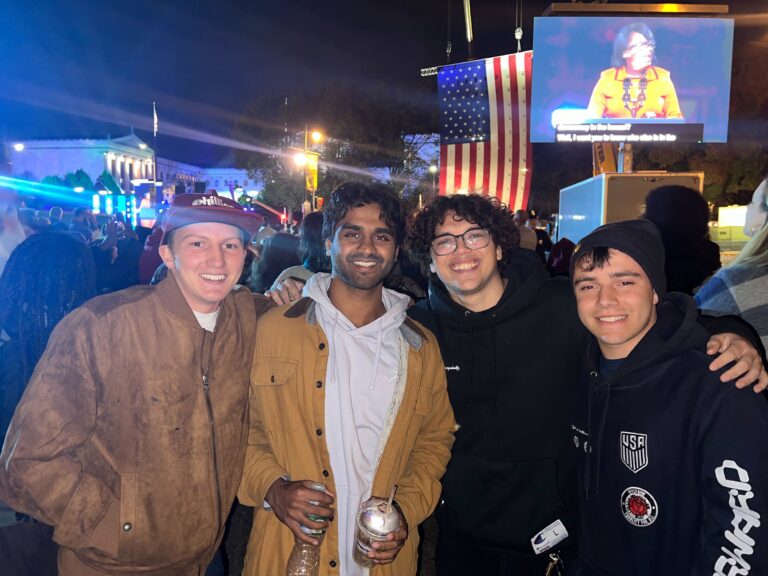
(123, 271)
(633, 87)
(150, 256)
(559, 260)
(741, 287)
(349, 392)
(265, 231)
(499, 319)
(757, 210)
(55, 215)
(48, 275)
(528, 238)
(83, 224)
(12, 232)
(278, 252)
(679, 486)
(682, 216)
(311, 251)
(130, 437)
(543, 239)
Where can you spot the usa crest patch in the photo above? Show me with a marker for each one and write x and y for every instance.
(634, 450)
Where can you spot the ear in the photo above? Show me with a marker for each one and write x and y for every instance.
(397, 252)
(499, 253)
(432, 268)
(328, 247)
(167, 255)
(655, 298)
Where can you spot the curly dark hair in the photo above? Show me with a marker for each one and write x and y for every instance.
(357, 195)
(47, 276)
(484, 211)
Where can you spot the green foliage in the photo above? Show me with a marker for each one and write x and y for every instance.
(53, 181)
(109, 182)
(78, 178)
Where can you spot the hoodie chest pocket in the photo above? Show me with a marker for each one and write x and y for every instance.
(274, 398)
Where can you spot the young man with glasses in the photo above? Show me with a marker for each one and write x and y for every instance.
(509, 336)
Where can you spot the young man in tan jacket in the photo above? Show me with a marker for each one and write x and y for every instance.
(349, 392)
(130, 437)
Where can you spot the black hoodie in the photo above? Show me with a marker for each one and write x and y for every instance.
(510, 372)
(673, 463)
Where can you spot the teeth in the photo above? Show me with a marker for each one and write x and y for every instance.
(464, 266)
(215, 277)
(611, 318)
(365, 264)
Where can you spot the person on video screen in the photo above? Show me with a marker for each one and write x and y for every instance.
(633, 87)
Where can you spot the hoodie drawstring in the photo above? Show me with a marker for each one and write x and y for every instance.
(494, 384)
(372, 378)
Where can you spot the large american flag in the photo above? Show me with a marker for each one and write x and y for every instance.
(484, 124)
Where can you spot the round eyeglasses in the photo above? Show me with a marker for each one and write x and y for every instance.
(474, 239)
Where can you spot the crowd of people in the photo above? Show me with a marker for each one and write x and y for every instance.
(559, 409)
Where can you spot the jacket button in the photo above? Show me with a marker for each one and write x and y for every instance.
(127, 527)
(322, 346)
(326, 473)
(333, 563)
(319, 431)
(318, 384)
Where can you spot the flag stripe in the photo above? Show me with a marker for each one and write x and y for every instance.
(496, 158)
(472, 168)
(527, 162)
(443, 169)
(502, 182)
(458, 164)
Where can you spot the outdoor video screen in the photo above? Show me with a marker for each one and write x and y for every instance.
(631, 79)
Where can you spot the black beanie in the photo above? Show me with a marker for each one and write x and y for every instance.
(638, 239)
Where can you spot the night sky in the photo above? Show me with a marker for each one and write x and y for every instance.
(87, 68)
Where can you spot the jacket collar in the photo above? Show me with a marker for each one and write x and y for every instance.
(650, 73)
(174, 303)
(411, 331)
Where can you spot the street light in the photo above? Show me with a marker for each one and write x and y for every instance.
(433, 171)
(18, 146)
(307, 159)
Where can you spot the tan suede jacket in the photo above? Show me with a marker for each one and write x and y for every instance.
(131, 435)
(288, 411)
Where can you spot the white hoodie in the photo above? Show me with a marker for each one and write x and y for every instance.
(364, 382)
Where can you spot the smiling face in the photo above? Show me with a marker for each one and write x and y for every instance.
(471, 277)
(207, 260)
(616, 303)
(363, 249)
(638, 54)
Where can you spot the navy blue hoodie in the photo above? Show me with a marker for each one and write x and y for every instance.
(672, 463)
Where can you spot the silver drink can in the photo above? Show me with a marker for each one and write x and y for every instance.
(375, 520)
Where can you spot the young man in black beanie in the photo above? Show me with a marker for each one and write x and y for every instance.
(671, 478)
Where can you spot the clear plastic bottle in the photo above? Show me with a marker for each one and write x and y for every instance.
(305, 558)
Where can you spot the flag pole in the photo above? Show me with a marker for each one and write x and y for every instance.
(468, 23)
(154, 153)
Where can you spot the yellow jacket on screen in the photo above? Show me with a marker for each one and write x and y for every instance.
(660, 100)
